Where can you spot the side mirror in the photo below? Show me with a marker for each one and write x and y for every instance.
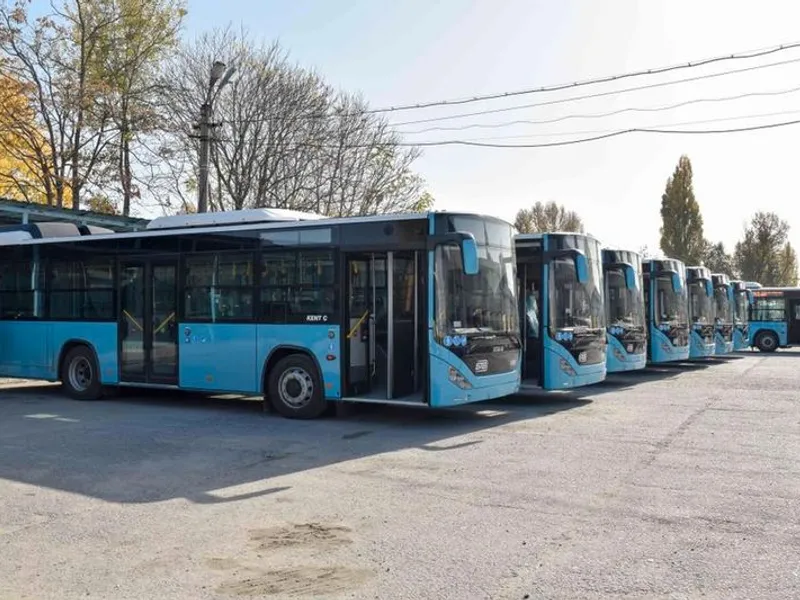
(630, 276)
(469, 248)
(577, 257)
(581, 266)
(709, 288)
(676, 283)
(469, 255)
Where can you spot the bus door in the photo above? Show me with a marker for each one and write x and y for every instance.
(148, 325)
(383, 325)
(529, 282)
(794, 321)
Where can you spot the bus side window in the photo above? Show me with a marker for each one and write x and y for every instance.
(797, 311)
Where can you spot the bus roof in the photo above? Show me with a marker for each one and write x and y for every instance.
(537, 236)
(616, 249)
(232, 217)
(756, 291)
(293, 224)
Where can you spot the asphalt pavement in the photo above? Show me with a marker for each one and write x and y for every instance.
(677, 482)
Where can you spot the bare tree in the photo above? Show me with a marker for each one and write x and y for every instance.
(286, 138)
(547, 218)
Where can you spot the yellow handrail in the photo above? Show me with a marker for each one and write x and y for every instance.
(164, 322)
(357, 325)
(135, 322)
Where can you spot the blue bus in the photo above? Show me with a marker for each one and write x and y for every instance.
(625, 315)
(775, 318)
(416, 309)
(667, 310)
(702, 312)
(742, 299)
(723, 306)
(560, 279)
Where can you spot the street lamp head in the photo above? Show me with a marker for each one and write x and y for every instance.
(217, 71)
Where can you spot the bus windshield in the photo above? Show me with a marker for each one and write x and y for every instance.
(722, 305)
(575, 304)
(672, 306)
(486, 302)
(624, 306)
(702, 309)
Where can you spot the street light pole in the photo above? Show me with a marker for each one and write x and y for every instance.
(218, 74)
(205, 150)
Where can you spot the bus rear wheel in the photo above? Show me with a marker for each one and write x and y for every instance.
(766, 341)
(295, 388)
(80, 375)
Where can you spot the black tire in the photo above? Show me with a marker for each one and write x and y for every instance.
(294, 388)
(766, 341)
(80, 375)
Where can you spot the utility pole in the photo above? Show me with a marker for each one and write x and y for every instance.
(218, 75)
(205, 151)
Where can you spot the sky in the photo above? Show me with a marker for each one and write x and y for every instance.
(415, 51)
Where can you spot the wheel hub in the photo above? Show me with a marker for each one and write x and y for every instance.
(296, 387)
(80, 374)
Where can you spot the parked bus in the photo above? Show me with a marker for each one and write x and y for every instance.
(625, 316)
(775, 318)
(742, 299)
(560, 278)
(416, 309)
(724, 307)
(667, 310)
(701, 312)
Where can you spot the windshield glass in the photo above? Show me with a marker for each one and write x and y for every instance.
(486, 302)
(741, 307)
(671, 306)
(722, 305)
(702, 308)
(624, 307)
(574, 304)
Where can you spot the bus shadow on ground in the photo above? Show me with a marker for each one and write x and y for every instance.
(781, 352)
(146, 446)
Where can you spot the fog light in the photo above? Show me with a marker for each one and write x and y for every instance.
(459, 379)
(566, 367)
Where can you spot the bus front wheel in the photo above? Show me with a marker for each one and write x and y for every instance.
(295, 388)
(80, 375)
(766, 341)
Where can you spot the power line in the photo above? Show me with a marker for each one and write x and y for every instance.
(611, 134)
(659, 126)
(601, 115)
(602, 137)
(595, 95)
(607, 79)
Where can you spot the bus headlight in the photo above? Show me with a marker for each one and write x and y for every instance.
(566, 367)
(619, 356)
(459, 379)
